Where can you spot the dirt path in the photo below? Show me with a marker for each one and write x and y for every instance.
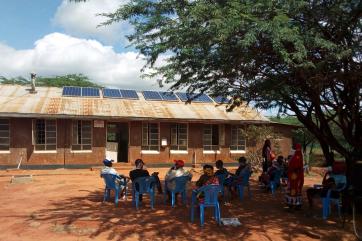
(67, 205)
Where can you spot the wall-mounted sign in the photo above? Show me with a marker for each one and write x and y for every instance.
(164, 142)
(98, 123)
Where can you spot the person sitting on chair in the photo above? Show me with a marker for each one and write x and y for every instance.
(176, 170)
(140, 171)
(208, 177)
(120, 179)
(332, 179)
(265, 178)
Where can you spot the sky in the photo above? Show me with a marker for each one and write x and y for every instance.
(58, 37)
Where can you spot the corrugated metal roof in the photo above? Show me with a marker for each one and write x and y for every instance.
(48, 102)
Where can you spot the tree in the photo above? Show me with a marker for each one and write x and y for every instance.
(301, 56)
(57, 81)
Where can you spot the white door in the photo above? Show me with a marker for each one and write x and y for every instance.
(112, 150)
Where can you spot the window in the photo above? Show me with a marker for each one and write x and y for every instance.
(4, 135)
(82, 135)
(237, 139)
(45, 135)
(211, 137)
(150, 136)
(179, 137)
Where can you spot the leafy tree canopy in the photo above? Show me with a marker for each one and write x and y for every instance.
(300, 56)
(57, 81)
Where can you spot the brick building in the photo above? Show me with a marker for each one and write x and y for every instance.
(81, 126)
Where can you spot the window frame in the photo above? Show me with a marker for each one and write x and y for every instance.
(147, 148)
(5, 150)
(81, 145)
(46, 133)
(213, 148)
(235, 147)
(177, 148)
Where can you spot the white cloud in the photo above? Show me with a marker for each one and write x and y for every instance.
(81, 20)
(60, 54)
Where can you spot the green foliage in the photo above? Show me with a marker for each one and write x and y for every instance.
(300, 56)
(57, 81)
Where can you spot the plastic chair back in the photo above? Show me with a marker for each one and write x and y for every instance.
(180, 187)
(210, 199)
(143, 185)
(110, 182)
(210, 194)
(181, 183)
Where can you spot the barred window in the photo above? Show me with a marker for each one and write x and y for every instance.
(4, 135)
(237, 138)
(179, 137)
(45, 135)
(150, 136)
(211, 137)
(82, 135)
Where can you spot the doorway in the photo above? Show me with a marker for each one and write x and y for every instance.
(117, 141)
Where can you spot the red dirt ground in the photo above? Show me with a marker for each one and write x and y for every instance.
(67, 205)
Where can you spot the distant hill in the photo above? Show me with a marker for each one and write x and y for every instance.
(57, 81)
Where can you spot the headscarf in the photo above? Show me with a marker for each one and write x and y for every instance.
(179, 163)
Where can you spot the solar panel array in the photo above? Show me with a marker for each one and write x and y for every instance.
(111, 93)
(159, 95)
(90, 92)
(151, 95)
(132, 94)
(129, 94)
(80, 91)
(72, 91)
(169, 96)
(203, 98)
(120, 94)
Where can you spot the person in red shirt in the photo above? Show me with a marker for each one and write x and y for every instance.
(295, 179)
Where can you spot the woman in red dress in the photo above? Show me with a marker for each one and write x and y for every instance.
(295, 178)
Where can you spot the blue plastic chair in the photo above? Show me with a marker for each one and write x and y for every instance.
(210, 200)
(275, 182)
(222, 178)
(111, 184)
(244, 183)
(180, 187)
(144, 185)
(327, 201)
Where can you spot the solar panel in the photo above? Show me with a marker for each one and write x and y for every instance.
(168, 96)
(90, 92)
(72, 91)
(111, 93)
(151, 95)
(203, 98)
(221, 100)
(129, 94)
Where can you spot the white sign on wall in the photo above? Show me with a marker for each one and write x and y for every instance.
(98, 123)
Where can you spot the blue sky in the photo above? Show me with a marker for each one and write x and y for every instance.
(25, 21)
(58, 37)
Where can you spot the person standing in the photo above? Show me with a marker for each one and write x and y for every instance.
(268, 155)
(295, 179)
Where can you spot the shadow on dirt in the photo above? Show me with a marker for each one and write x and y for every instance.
(262, 218)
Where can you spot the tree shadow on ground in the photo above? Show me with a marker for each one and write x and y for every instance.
(262, 217)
